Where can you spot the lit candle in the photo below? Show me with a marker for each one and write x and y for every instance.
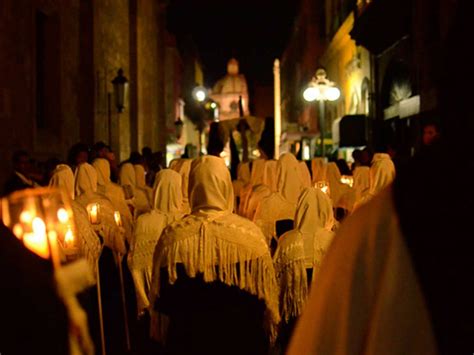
(69, 238)
(94, 213)
(118, 218)
(63, 216)
(37, 241)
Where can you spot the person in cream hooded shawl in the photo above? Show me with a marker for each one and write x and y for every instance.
(167, 208)
(301, 251)
(86, 193)
(114, 193)
(263, 190)
(128, 180)
(183, 167)
(281, 204)
(215, 245)
(88, 241)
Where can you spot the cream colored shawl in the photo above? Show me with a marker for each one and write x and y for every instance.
(256, 178)
(366, 299)
(86, 193)
(381, 174)
(342, 195)
(262, 191)
(305, 174)
(127, 176)
(282, 204)
(114, 193)
(87, 240)
(270, 175)
(183, 167)
(361, 181)
(216, 243)
(167, 209)
(140, 174)
(318, 168)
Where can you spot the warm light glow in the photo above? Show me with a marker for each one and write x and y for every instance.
(323, 186)
(18, 230)
(332, 93)
(311, 94)
(26, 217)
(93, 210)
(200, 93)
(63, 216)
(118, 218)
(348, 180)
(69, 238)
(213, 105)
(37, 241)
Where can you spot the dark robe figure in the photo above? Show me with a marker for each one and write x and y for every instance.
(33, 320)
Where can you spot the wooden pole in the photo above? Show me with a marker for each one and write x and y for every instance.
(277, 98)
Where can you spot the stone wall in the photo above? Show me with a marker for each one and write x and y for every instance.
(83, 43)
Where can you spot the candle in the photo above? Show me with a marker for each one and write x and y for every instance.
(348, 180)
(63, 216)
(118, 218)
(37, 241)
(93, 210)
(69, 238)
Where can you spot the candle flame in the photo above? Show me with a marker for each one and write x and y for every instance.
(117, 218)
(63, 216)
(26, 217)
(18, 230)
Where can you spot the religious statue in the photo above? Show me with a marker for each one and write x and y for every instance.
(230, 92)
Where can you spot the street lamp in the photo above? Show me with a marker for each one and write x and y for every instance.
(321, 89)
(120, 83)
(200, 93)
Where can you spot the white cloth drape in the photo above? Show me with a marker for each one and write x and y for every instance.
(167, 209)
(183, 167)
(114, 193)
(281, 204)
(212, 236)
(88, 242)
(381, 174)
(86, 193)
(366, 298)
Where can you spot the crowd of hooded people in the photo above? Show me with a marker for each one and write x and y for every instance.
(261, 264)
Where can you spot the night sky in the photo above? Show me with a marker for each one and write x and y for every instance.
(254, 31)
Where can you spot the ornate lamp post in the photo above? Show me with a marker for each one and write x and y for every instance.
(321, 89)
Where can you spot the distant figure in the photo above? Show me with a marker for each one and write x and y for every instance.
(77, 155)
(33, 318)
(366, 156)
(215, 145)
(21, 177)
(431, 133)
(356, 155)
(343, 167)
(99, 150)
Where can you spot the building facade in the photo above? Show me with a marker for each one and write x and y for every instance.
(59, 58)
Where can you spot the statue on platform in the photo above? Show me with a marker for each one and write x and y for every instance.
(228, 91)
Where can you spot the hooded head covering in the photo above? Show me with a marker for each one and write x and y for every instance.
(86, 179)
(382, 172)
(183, 167)
(127, 175)
(318, 168)
(314, 211)
(289, 178)
(140, 175)
(298, 249)
(167, 193)
(63, 178)
(340, 193)
(149, 226)
(216, 243)
(305, 175)
(103, 171)
(210, 186)
(258, 167)
(270, 175)
(361, 180)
